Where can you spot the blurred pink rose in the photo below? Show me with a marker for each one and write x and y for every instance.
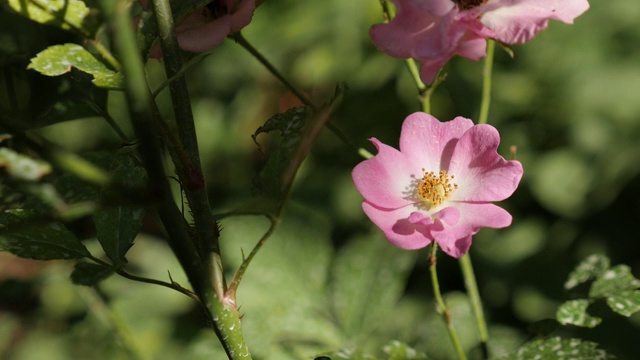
(207, 27)
(432, 31)
(439, 186)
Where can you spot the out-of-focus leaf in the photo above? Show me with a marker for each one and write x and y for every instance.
(117, 227)
(588, 269)
(22, 167)
(42, 240)
(574, 312)
(66, 14)
(367, 279)
(614, 281)
(559, 349)
(625, 303)
(59, 59)
(397, 350)
(89, 274)
(349, 354)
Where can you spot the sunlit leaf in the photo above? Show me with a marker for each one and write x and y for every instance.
(89, 274)
(66, 14)
(574, 312)
(59, 59)
(37, 238)
(588, 269)
(365, 269)
(614, 281)
(559, 349)
(23, 167)
(397, 350)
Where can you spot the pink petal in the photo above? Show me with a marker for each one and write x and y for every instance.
(398, 37)
(243, 15)
(385, 179)
(428, 143)
(456, 240)
(482, 174)
(518, 21)
(204, 36)
(397, 228)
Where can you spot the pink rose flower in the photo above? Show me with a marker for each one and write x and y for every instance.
(207, 27)
(439, 186)
(433, 31)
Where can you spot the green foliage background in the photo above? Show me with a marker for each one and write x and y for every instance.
(569, 101)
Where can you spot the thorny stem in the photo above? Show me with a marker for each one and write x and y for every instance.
(442, 307)
(225, 318)
(192, 179)
(172, 285)
(233, 286)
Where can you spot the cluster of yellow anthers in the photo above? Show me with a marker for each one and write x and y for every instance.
(433, 189)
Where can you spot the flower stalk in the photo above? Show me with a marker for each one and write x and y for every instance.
(442, 306)
(486, 83)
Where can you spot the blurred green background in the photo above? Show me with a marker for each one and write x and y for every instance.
(327, 280)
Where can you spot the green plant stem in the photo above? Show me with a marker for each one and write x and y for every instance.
(442, 307)
(263, 60)
(193, 179)
(235, 282)
(106, 54)
(225, 318)
(472, 289)
(172, 285)
(486, 82)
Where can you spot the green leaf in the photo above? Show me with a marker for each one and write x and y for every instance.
(397, 350)
(22, 167)
(277, 175)
(117, 227)
(559, 349)
(66, 14)
(625, 303)
(574, 312)
(367, 268)
(59, 59)
(89, 274)
(613, 281)
(42, 240)
(588, 269)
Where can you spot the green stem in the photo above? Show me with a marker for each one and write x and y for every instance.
(193, 179)
(224, 316)
(486, 83)
(442, 307)
(233, 286)
(263, 60)
(472, 289)
(106, 54)
(172, 285)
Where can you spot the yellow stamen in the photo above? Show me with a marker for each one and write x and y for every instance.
(434, 190)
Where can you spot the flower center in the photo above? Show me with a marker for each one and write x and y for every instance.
(435, 189)
(468, 4)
